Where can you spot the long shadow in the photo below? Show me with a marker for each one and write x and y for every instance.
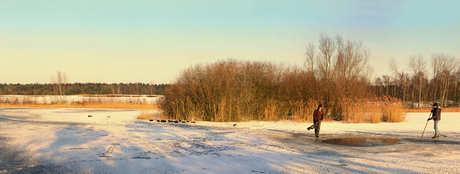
(51, 159)
(15, 159)
(13, 120)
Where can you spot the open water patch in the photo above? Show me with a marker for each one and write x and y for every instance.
(362, 142)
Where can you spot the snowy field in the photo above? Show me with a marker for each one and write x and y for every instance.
(68, 141)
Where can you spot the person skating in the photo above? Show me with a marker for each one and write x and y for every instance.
(435, 116)
(318, 116)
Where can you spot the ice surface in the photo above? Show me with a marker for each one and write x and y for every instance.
(68, 141)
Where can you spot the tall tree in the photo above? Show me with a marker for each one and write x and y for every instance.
(418, 66)
(60, 80)
(310, 57)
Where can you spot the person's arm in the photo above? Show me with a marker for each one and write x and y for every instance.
(433, 114)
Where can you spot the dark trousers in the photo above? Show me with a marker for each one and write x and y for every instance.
(317, 127)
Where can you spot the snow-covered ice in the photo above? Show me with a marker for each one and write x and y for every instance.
(68, 141)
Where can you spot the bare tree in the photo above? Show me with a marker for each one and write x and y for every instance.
(443, 68)
(379, 83)
(60, 80)
(436, 65)
(53, 84)
(400, 77)
(324, 59)
(352, 64)
(386, 83)
(456, 80)
(310, 57)
(418, 66)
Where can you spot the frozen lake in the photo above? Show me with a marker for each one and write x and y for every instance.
(113, 141)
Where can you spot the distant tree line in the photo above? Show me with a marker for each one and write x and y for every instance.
(435, 80)
(82, 88)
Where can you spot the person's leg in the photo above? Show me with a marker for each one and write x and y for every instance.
(314, 123)
(436, 129)
(317, 128)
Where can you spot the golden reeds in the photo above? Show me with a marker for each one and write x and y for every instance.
(370, 110)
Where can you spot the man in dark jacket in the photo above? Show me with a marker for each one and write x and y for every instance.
(435, 116)
(318, 116)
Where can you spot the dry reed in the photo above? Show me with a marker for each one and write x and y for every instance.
(149, 114)
(369, 110)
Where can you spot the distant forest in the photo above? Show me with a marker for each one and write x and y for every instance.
(82, 88)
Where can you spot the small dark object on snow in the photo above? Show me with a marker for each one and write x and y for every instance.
(234, 124)
(170, 121)
(140, 157)
(188, 121)
(180, 120)
(108, 116)
(90, 115)
(184, 122)
(151, 120)
(176, 121)
(193, 122)
(158, 120)
(163, 121)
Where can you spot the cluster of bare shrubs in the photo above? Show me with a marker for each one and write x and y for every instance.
(243, 91)
(336, 75)
(237, 91)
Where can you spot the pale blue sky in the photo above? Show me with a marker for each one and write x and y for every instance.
(144, 41)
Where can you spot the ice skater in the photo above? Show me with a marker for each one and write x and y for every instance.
(318, 116)
(435, 116)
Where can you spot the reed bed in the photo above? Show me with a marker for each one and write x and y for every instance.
(369, 110)
(150, 114)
